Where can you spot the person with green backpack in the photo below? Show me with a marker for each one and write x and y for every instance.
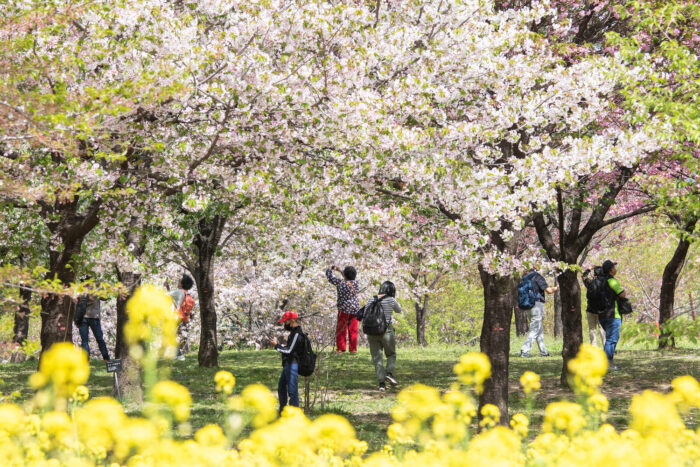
(376, 318)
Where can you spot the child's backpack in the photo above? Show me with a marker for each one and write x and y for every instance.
(526, 294)
(307, 360)
(186, 308)
(598, 293)
(373, 319)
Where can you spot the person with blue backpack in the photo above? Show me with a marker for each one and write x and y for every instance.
(531, 297)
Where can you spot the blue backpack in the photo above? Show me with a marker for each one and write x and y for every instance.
(526, 294)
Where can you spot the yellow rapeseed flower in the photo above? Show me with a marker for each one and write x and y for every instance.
(473, 369)
(490, 416)
(152, 318)
(175, 396)
(258, 401)
(530, 382)
(225, 382)
(588, 369)
(566, 417)
(598, 402)
(210, 435)
(654, 413)
(65, 367)
(81, 394)
(520, 424)
(686, 392)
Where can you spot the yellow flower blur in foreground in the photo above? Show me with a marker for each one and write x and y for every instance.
(225, 382)
(257, 402)
(473, 369)
(588, 368)
(152, 319)
(63, 366)
(520, 423)
(175, 396)
(430, 429)
(81, 394)
(563, 417)
(490, 415)
(530, 382)
(686, 392)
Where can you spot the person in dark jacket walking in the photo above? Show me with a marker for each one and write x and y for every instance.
(387, 341)
(91, 321)
(288, 386)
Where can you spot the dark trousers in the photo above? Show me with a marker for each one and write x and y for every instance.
(289, 385)
(94, 324)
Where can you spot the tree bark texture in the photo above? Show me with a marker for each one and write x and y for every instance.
(522, 326)
(495, 338)
(129, 378)
(571, 319)
(421, 312)
(669, 280)
(69, 227)
(206, 243)
(557, 314)
(21, 327)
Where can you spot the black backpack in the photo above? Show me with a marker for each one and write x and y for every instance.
(598, 293)
(80, 310)
(373, 319)
(307, 358)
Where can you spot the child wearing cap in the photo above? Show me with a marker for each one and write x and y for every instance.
(288, 386)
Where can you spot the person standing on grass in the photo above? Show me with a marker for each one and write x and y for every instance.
(183, 303)
(387, 341)
(288, 385)
(348, 306)
(594, 327)
(536, 334)
(610, 318)
(91, 321)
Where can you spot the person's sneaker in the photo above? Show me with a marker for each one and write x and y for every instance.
(391, 380)
(546, 354)
(382, 387)
(614, 367)
(524, 354)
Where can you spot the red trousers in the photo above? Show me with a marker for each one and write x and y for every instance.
(349, 322)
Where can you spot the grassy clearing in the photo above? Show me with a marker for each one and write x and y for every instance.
(352, 392)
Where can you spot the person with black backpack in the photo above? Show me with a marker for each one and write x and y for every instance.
(594, 326)
(292, 354)
(531, 297)
(605, 295)
(376, 318)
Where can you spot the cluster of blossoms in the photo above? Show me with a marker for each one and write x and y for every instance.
(62, 426)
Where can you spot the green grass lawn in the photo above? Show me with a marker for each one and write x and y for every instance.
(350, 389)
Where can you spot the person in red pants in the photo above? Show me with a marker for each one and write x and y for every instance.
(348, 305)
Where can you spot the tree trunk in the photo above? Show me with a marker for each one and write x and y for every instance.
(570, 293)
(57, 309)
(21, 327)
(69, 228)
(421, 311)
(129, 378)
(557, 314)
(206, 243)
(495, 338)
(668, 283)
(522, 326)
